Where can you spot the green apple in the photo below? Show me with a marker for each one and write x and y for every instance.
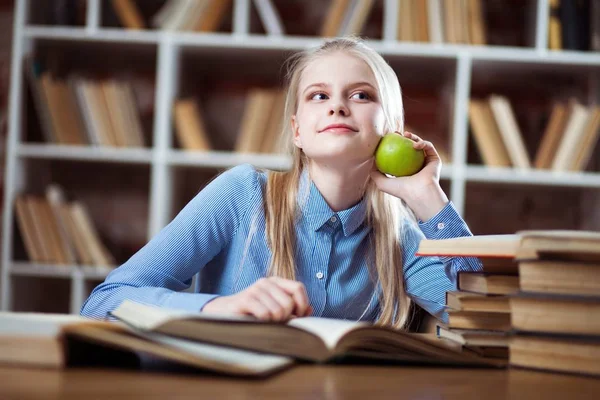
(396, 156)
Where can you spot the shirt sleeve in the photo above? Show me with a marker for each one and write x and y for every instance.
(158, 272)
(427, 279)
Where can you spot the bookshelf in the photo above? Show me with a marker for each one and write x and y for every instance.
(157, 180)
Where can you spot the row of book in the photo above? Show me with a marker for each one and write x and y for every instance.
(80, 111)
(574, 25)
(567, 144)
(192, 15)
(436, 21)
(57, 231)
(260, 127)
(537, 301)
(417, 20)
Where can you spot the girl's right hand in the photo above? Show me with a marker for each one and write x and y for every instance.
(269, 299)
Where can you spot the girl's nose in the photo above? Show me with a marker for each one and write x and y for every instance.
(340, 109)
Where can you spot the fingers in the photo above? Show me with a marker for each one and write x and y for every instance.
(425, 145)
(280, 303)
(298, 293)
(254, 306)
(274, 299)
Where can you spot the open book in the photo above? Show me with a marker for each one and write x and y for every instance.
(311, 338)
(523, 245)
(58, 341)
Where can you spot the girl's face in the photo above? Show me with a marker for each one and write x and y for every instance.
(339, 120)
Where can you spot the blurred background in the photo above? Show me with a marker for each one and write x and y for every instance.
(117, 112)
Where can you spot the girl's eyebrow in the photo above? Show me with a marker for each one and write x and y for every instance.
(324, 85)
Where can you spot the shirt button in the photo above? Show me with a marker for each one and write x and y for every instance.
(333, 219)
(441, 225)
(319, 275)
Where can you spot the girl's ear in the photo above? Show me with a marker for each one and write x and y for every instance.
(296, 130)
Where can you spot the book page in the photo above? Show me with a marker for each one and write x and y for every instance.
(505, 245)
(248, 360)
(35, 324)
(148, 317)
(329, 330)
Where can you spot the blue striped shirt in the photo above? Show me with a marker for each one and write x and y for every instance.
(209, 237)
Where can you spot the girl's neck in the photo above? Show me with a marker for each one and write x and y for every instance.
(341, 188)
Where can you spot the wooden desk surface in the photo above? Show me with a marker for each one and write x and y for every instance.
(303, 382)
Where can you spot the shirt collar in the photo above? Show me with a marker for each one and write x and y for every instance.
(317, 212)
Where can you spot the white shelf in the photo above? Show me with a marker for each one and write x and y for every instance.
(225, 159)
(58, 271)
(532, 177)
(296, 43)
(86, 153)
(82, 34)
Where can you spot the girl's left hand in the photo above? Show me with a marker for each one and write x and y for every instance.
(421, 191)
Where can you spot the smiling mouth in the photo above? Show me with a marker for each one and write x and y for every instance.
(339, 129)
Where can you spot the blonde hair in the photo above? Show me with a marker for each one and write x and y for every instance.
(385, 214)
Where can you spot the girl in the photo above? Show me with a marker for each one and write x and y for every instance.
(332, 237)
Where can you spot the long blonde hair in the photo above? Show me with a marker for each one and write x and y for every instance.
(385, 214)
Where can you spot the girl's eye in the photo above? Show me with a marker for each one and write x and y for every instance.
(361, 96)
(318, 96)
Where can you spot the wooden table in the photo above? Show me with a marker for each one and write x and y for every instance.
(301, 382)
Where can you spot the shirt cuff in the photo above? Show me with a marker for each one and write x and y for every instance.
(445, 224)
(193, 302)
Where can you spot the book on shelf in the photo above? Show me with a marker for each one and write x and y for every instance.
(573, 25)
(261, 122)
(487, 135)
(551, 136)
(192, 16)
(509, 131)
(190, 128)
(128, 14)
(570, 137)
(334, 17)
(312, 339)
(437, 21)
(57, 231)
(269, 17)
(554, 26)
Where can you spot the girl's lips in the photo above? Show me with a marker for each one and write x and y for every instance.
(339, 128)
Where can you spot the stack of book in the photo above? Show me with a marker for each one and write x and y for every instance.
(479, 312)
(227, 344)
(550, 311)
(556, 316)
(56, 231)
